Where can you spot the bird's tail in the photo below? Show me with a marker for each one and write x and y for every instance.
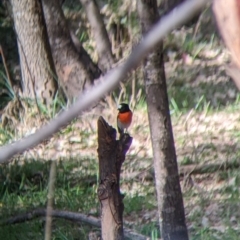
(121, 131)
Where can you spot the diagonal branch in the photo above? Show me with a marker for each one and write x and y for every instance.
(174, 19)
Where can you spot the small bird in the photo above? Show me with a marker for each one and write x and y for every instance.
(124, 117)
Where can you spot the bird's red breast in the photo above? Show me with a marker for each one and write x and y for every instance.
(125, 118)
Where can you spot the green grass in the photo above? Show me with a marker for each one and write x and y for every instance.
(24, 187)
(139, 203)
(221, 212)
(151, 229)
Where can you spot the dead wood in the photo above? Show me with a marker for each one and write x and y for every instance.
(41, 212)
(71, 216)
(111, 154)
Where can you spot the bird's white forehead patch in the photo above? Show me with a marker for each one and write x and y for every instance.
(119, 106)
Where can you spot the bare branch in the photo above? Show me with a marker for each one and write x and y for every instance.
(174, 19)
(40, 212)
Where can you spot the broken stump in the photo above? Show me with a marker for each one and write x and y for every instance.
(111, 154)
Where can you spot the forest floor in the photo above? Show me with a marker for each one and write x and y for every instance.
(204, 105)
(204, 134)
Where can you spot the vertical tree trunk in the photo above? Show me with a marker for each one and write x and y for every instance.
(111, 154)
(104, 50)
(35, 55)
(169, 195)
(228, 21)
(74, 67)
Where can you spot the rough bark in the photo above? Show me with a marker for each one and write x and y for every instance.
(103, 45)
(111, 154)
(35, 55)
(75, 69)
(169, 195)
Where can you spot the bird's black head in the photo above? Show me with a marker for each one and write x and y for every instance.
(123, 107)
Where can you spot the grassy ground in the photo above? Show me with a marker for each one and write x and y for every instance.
(204, 105)
(211, 200)
(203, 133)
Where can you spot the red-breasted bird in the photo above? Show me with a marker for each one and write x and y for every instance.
(124, 117)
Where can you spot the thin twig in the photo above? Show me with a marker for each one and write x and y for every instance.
(174, 19)
(51, 186)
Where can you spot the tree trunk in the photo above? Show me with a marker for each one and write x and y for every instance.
(74, 67)
(111, 154)
(103, 45)
(169, 195)
(35, 55)
(228, 20)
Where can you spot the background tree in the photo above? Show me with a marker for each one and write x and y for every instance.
(228, 20)
(37, 66)
(169, 195)
(103, 44)
(74, 67)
